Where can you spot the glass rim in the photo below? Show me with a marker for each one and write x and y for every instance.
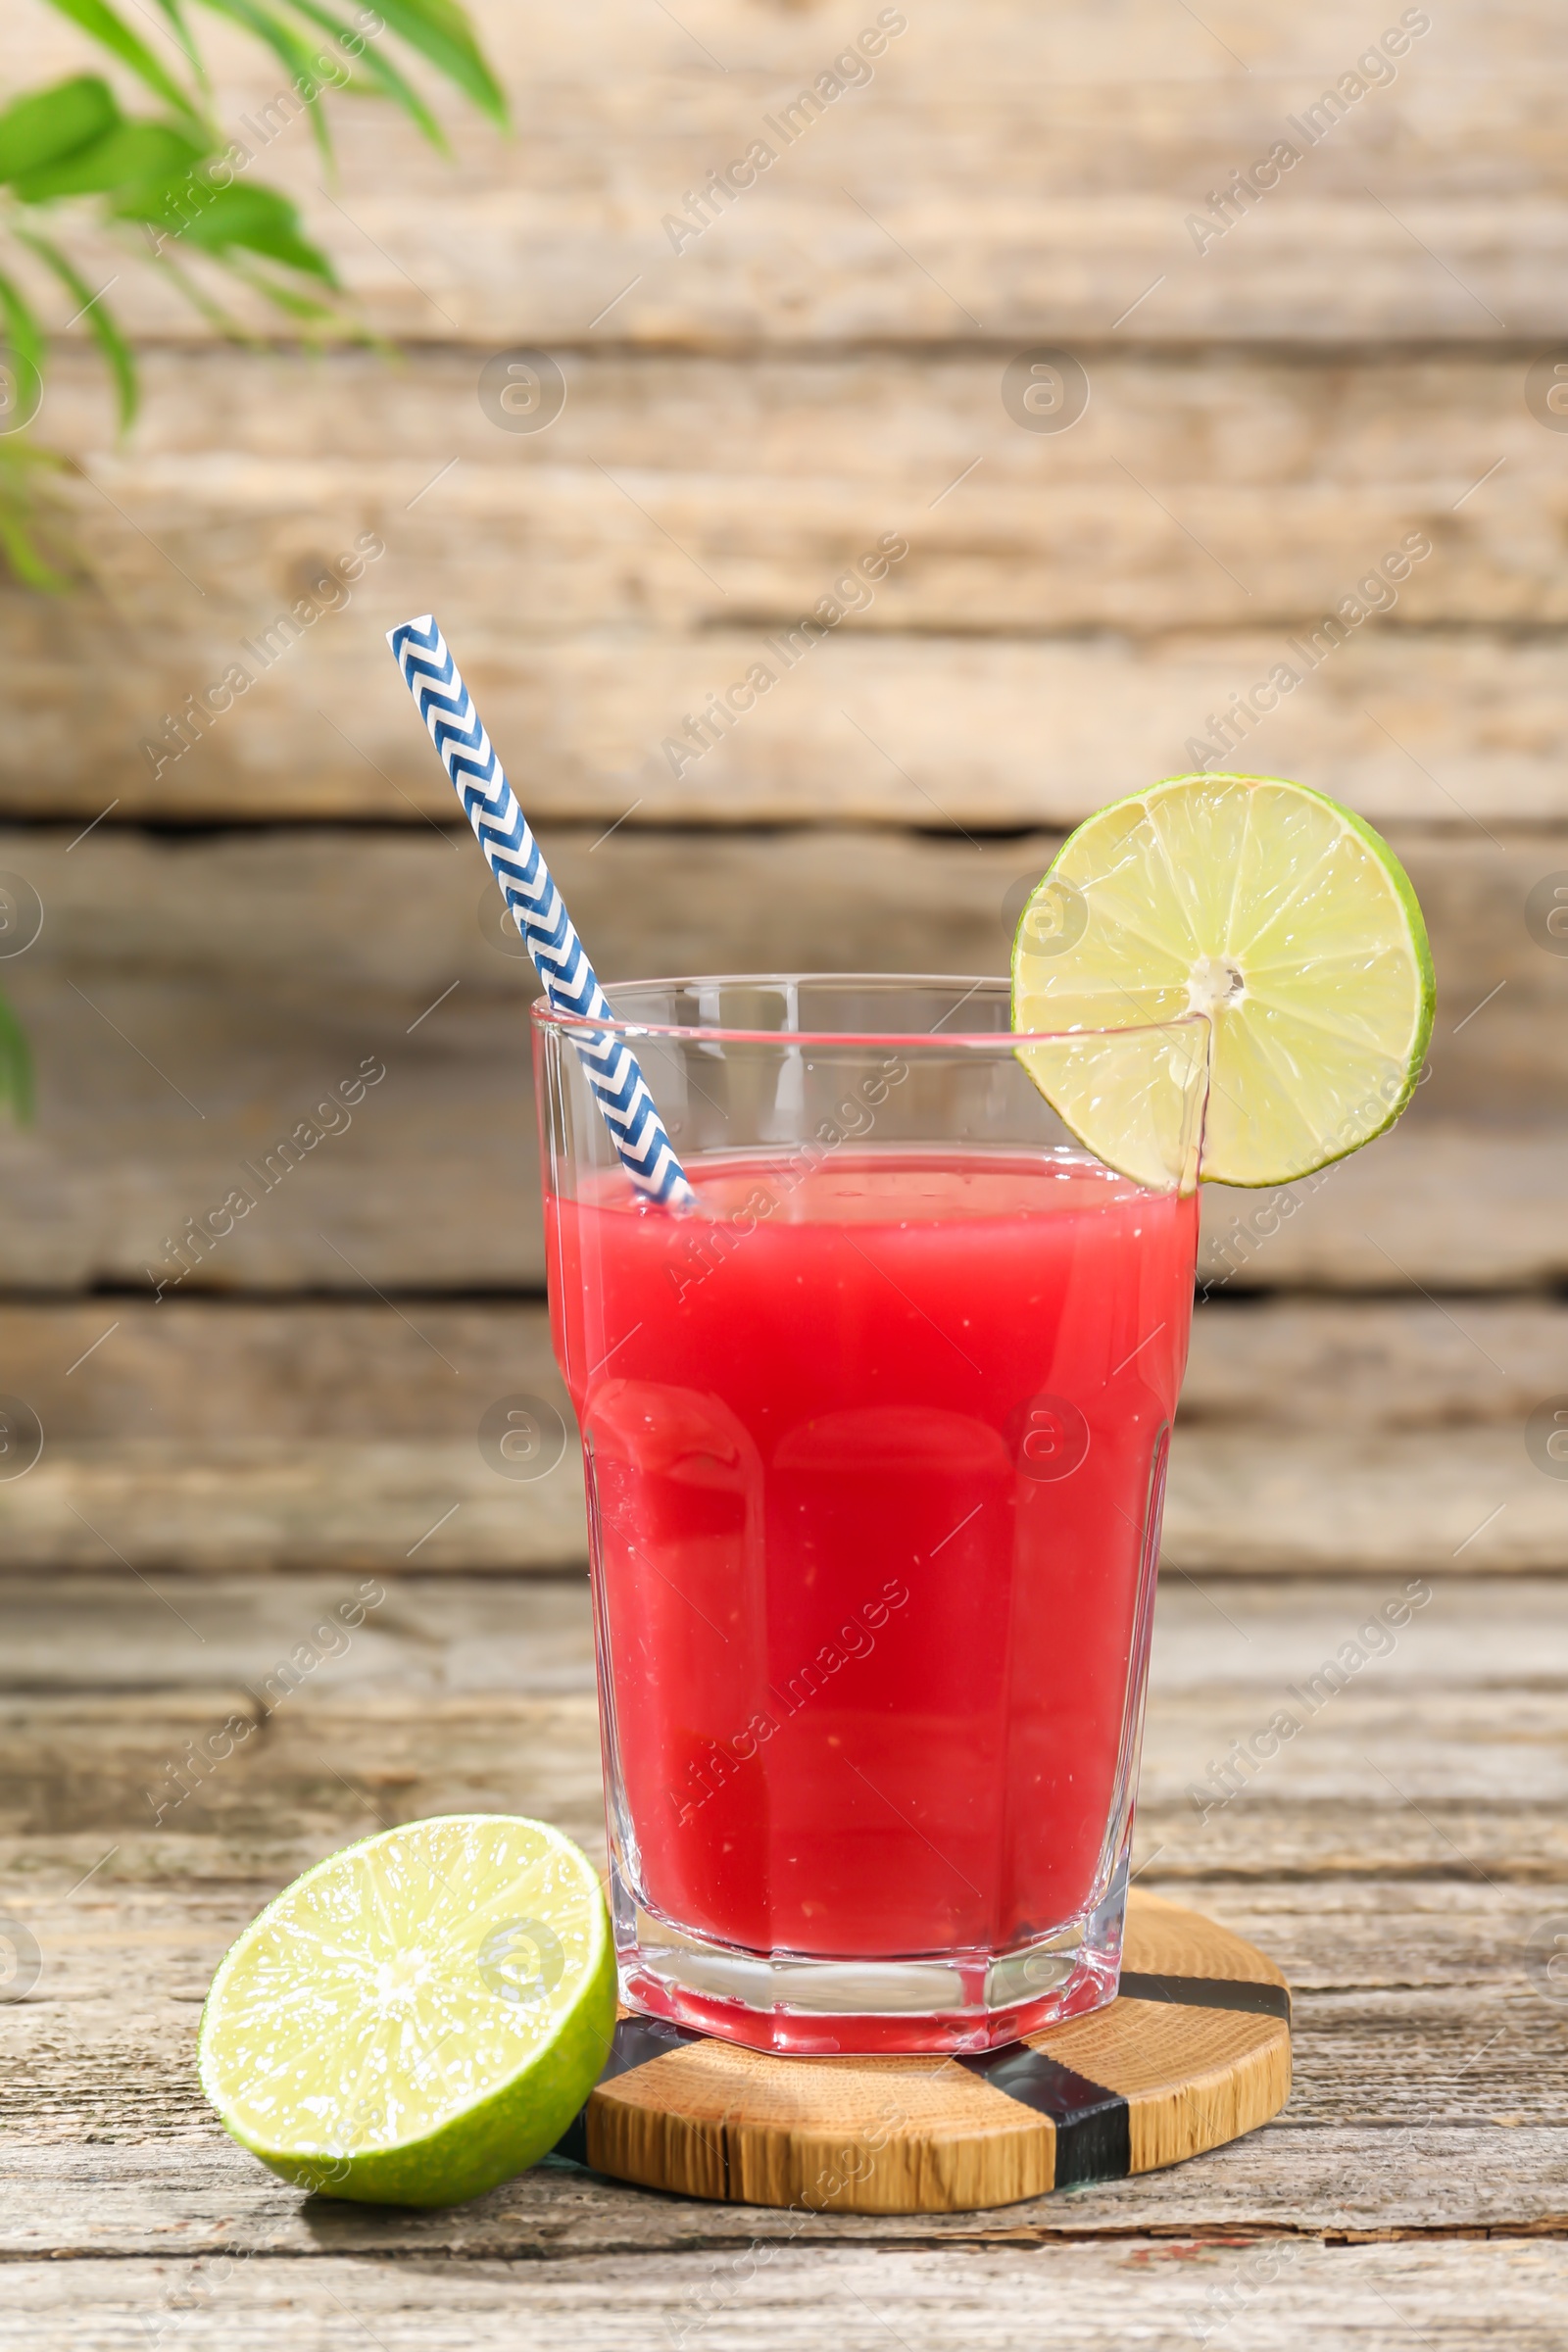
(551, 1016)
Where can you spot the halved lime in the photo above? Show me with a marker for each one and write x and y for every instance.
(1267, 908)
(419, 2016)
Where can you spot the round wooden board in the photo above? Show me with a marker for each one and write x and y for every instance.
(1195, 2051)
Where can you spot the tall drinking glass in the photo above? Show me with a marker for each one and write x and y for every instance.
(875, 1448)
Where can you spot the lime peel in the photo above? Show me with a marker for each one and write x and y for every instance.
(419, 2016)
(1282, 921)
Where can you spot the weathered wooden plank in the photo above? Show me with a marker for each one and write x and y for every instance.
(1258, 1499)
(346, 1759)
(196, 1084)
(1438, 1844)
(1421, 2035)
(295, 1821)
(1450, 726)
(200, 1371)
(1435, 1205)
(1227, 1646)
(188, 2198)
(821, 457)
(1232, 418)
(1375, 1715)
(1443, 1755)
(1445, 1962)
(1483, 1656)
(1338, 2299)
(1239, 1500)
(1428, 2052)
(296, 1504)
(1024, 550)
(1464, 1210)
(653, 582)
(1035, 178)
(215, 1369)
(307, 1771)
(426, 1634)
(212, 1438)
(444, 1633)
(1219, 489)
(267, 919)
(1374, 1363)
(193, 1000)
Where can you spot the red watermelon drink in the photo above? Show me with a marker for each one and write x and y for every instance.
(875, 1445)
(875, 1347)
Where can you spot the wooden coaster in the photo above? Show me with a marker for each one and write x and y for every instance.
(1195, 2051)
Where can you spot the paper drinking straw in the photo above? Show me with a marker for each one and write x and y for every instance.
(538, 909)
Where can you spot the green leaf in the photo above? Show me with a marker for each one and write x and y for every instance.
(49, 124)
(257, 220)
(24, 555)
(287, 46)
(16, 1068)
(171, 207)
(99, 22)
(130, 154)
(24, 334)
(378, 70)
(440, 31)
(233, 330)
(286, 298)
(100, 319)
(175, 15)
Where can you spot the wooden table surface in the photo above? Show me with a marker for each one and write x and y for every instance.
(1403, 1860)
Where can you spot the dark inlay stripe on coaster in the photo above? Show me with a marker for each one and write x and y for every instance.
(1209, 1993)
(636, 2040)
(1094, 2138)
(1093, 2132)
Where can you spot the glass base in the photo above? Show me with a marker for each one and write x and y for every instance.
(797, 2006)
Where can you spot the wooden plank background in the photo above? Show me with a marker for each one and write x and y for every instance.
(234, 927)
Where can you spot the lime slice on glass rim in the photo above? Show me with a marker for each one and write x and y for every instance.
(419, 2016)
(1269, 909)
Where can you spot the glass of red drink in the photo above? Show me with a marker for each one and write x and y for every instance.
(875, 1446)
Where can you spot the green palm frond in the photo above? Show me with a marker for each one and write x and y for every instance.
(15, 1069)
(182, 196)
(116, 352)
(101, 25)
(171, 186)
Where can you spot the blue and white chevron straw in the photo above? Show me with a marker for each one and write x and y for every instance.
(538, 909)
